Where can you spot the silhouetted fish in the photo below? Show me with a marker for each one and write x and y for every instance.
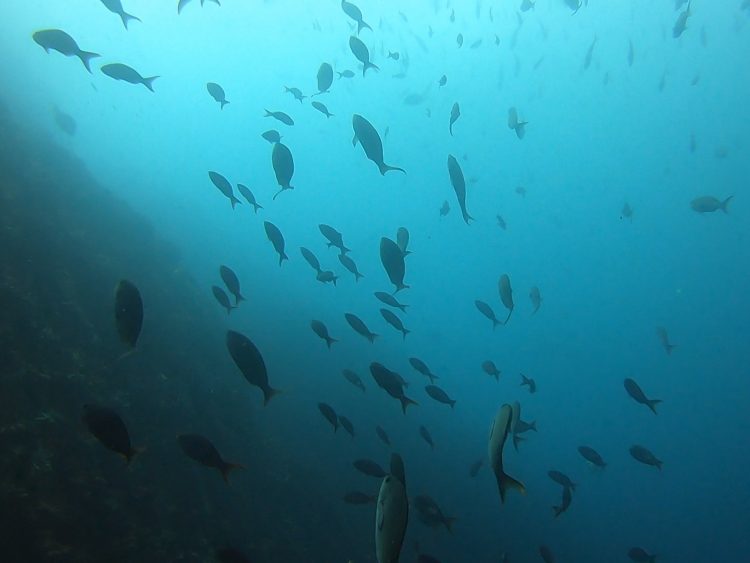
(383, 435)
(391, 383)
(455, 114)
(391, 515)
(249, 197)
(513, 123)
(498, 434)
(459, 185)
(439, 395)
(354, 379)
(115, 6)
(350, 265)
(296, 92)
(489, 367)
(561, 479)
(217, 93)
(368, 137)
(310, 258)
(394, 321)
(536, 299)
(347, 425)
(107, 427)
(283, 167)
(222, 298)
(393, 262)
(204, 452)
(567, 497)
(280, 116)
(329, 414)
(356, 14)
(232, 282)
(360, 327)
(402, 240)
(639, 396)
(248, 359)
(224, 187)
(277, 240)
(59, 41)
(506, 294)
(370, 468)
(390, 300)
(487, 311)
(425, 434)
(422, 368)
(325, 78)
(645, 456)
(680, 25)
(709, 204)
(362, 53)
(272, 136)
(128, 312)
(529, 382)
(181, 4)
(128, 74)
(661, 332)
(322, 331)
(592, 456)
(321, 107)
(333, 237)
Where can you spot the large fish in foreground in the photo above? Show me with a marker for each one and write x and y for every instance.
(283, 166)
(498, 434)
(368, 137)
(59, 41)
(391, 513)
(459, 185)
(248, 359)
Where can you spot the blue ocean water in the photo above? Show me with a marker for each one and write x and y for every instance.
(655, 134)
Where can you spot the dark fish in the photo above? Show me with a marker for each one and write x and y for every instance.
(574, 5)
(369, 468)
(224, 187)
(357, 497)
(520, 190)
(527, 5)
(589, 54)
(248, 359)
(631, 53)
(476, 44)
(389, 300)
(181, 4)
(545, 551)
(499, 431)
(325, 78)
(645, 456)
(354, 379)
(429, 513)
(362, 53)
(345, 74)
(321, 107)
(222, 298)
(561, 479)
(536, 299)
(58, 40)
(393, 55)
(356, 14)
(334, 238)
(627, 212)
(487, 311)
(513, 123)
(65, 122)
(298, 95)
(475, 467)
(439, 395)
(391, 514)
(393, 262)
(443, 80)
(709, 204)
(310, 258)
(459, 185)
(217, 93)
(391, 383)
(639, 396)
(640, 555)
(506, 294)
(382, 435)
(368, 137)
(680, 25)
(115, 6)
(277, 240)
(567, 496)
(281, 116)
(360, 327)
(327, 276)
(107, 427)
(128, 312)
(232, 282)
(445, 208)
(521, 426)
(592, 456)
(249, 197)
(127, 74)
(272, 136)
(459, 40)
(322, 331)
(394, 321)
(402, 240)
(204, 452)
(455, 114)
(283, 167)
(661, 332)
(501, 223)
(530, 382)
(347, 425)
(229, 554)
(349, 264)
(329, 414)
(489, 367)
(425, 434)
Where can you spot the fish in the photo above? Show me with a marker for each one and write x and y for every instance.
(592, 456)
(567, 496)
(487, 311)
(393, 55)
(459, 186)
(360, 327)
(123, 72)
(321, 107)
(661, 332)
(296, 92)
(356, 14)
(115, 6)
(455, 114)
(107, 427)
(443, 80)
(530, 382)
(310, 258)
(368, 137)
(222, 298)
(181, 4)
(357, 497)
(277, 240)
(513, 123)
(445, 208)
(544, 551)
(370, 468)
(439, 395)
(229, 554)
(640, 555)
(394, 321)
(223, 185)
(460, 40)
(422, 368)
(536, 299)
(334, 238)
(347, 425)
(501, 223)
(680, 25)
(709, 204)
(402, 240)
(361, 53)
(390, 300)
(383, 435)
(280, 116)
(345, 74)
(249, 197)
(391, 514)
(476, 44)
(272, 136)
(128, 313)
(589, 54)
(627, 212)
(425, 434)
(522, 426)
(329, 414)
(561, 479)
(631, 53)
(322, 331)
(634, 390)
(391, 383)
(520, 190)
(58, 40)
(527, 5)
(354, 379)
(65, 122)
(200, 449)
(325, 78)
(475, 467)
(506, 294)
(232, 282)
(217, 93)
(283, 167)
(327, 276)
(645, 456)
(498, 434)
(249, 361)
(393, 262)
(489, 367)
(350, 265)
(429, 513)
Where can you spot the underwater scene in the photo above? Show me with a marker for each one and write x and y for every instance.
(319, 281)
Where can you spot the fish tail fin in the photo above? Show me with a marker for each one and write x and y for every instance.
(149, 82)
(405, 402)
(467, 217)
(257, 206)
(401, 286)
(558, 510)
(86, 57)
(369, 65)
(406, 331)
(282, 257)
(659, 463)
(532, 425)
(652, 405)
(132, 453)
(506, 482)
(227, 468)
(237, 298)
(725, 203)
(361, 24)
(517, 439)
(269, 393)
(386, 168)
(223, 103)
(234, 201)
(452, 403)
(495, 322)
(371, 337)
(330, 341)
(357, 275)
(127, 18)
(670, 347)
(510, 312)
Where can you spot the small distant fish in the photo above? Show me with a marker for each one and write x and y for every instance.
(347, 425)
(402, 240)
(345, 74)
(115, 6)
(536, 299)
(356, 14)
(272, 136)
(645, 456)
(224, 186)
(310, 258)
(354, 379)
(249, 360)
(321, 107)
(592, 456)
(360, 327)
(498, 435)
(528, 382)
(393, 55)
(128, 74)
(501, 223)
(506, 295)
(392, 383)
(661, 332)
(422, 368)
(680, 25)
(370, 468)
(476, 44)
(574, 5)
(627, 212)
(430, 514)
(350, 265)
(383, 435)
(107, 427)
(425, 434)
(128, 312)
(65, 122)
(58, 40)
(445, 208)
(333, 237)
(640, 555)
(520, 190)
(357, 497)
(635, 391)
(249, 197)
(487, 311)
(459, 40)
(443, 80)
(361, 53)
(283, 167)
(459, 186)
(567, 497)
(201, 449)
(329, 414)
(296, 92)
(394, 321)
(527, 5)
(181, 4)
(232, 282)
(489, 367)
(589, 54)
(222, 298)
(391, 301)
(709, 204)
(439, 395)
(455, 114)
(324, 78)
(281, 116)
(217, 93)
(322, 331)
(513, 123)
(368, 137)
(392, 259)
(475, 467)
(561, 479)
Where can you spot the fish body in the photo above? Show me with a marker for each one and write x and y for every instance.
(498, 434)
(389, 300)
(310, 258)
(489, 367)
(223, 185)
(360, 327)
(443, 80)
(487, 311)
(627, 211)
(394, 321)
(589, 54)
(561, 479)
(128, 312)
(222, 298)
(123, 72)
(232, 282)
(280, 116)
(329, 414)
(250, 362)
(283, 167)
(324, 77)
(392, 259)
(391, 383)
(115, 6)
(455, 114)
(514, 123)
(58, 40)
(347, 425)
(327, 276)
(635, 391)
(391, 518)
(350, 265)
(272, 136)
(459, 186)
(321, 107)
(200, 449)
(383, 435)
(528, 382)
(369, 468)
(430, 514)
(361, 53)
(709, 204)
(645, 456)
(422, 368)
(536, 299)
(249, 197)
(506, 294)
(345, 74)
(592, 456)
(439, 395)
(425, 434)
(355, 13)
(368, 137)
(661, 332)
(567, 497)
(296, 92)
(107, 427)
(354, 379)
(501, 223)
(402, 240)
(445, 208)
(680, 25)
(334, 237)
(322, 331)
(277, 240)
(217, 93)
